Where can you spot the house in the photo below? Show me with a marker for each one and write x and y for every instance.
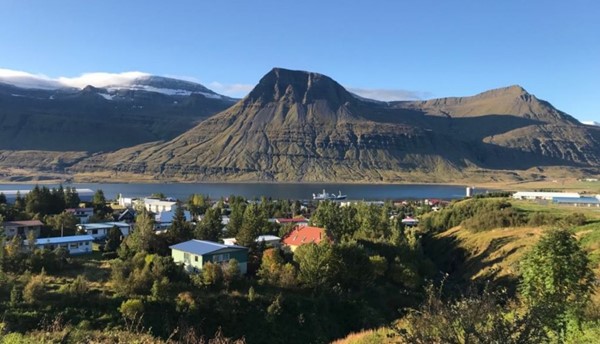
(11, 228)
(305, 235)
(409, 221)
(82, 214)
(578, 202)
(75, 244)
(268, 240)
(533, 195)
(163, 219)
(193, 254)
(127, 215)
(300, 221)
(156, 205)
(100, 230)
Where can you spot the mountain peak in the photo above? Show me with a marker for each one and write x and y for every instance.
(513, 90)
(292, 86)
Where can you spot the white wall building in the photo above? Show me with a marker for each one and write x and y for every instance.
(156, 206)
(100, 230)
(531, 195)
(75, 244)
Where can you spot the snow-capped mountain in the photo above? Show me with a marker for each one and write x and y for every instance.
(109, 84)
(40, 113)
(591, 123)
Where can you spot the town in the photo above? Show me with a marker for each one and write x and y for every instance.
(160, 263)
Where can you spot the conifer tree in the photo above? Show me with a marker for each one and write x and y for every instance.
(253, 225)
(211, 226)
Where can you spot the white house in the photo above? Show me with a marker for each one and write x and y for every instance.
(100, 230)
(75, 244)
(82, 214)
(268, 240)
(156, 205)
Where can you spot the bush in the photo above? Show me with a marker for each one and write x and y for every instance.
(34, 289)
(132, 309)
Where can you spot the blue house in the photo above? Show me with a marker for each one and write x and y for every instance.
(193, 254)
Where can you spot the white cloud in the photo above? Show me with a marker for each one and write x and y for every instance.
(101, 79)
(387, 95)
(28, 80)
(231, 90)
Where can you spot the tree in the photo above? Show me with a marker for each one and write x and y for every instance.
(211, 226)
(101, 210)
(180, 230)
(270, 266)
(231, 271)
(63, 221)
(143, 237)
(113, 239)
(317, 265)
(197, 204)
(34, 289)
(212, 274)
(253, 225)
(236, 218)
(72, 199)
(557, 279)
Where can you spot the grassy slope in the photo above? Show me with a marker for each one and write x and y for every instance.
(495, 254)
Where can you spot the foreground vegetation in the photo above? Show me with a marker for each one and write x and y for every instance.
(475, 271)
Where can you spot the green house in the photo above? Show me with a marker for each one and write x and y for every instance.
(193, 254)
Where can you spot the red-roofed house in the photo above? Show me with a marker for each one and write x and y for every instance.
(305, 235)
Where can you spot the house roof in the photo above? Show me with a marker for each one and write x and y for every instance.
(581, 200)
(201, 247)
(64, 240)
(104, 225)
(30, 223)
(72, 210)
(409, 219)
(305, 235)
(292, 220)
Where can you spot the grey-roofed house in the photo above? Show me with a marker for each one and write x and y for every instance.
(193, 254)
(75, 244)
(100, 230)
(577, 202)
(22, 228)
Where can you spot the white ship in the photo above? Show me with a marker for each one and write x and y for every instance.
(326, 196)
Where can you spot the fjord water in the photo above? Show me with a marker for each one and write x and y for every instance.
(181, 191)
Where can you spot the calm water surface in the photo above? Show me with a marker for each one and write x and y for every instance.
(280, 191)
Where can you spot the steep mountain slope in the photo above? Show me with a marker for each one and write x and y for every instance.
(300, 126)
(102, 119)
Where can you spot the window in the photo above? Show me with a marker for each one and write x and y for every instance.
(186, 257)
(75, 245)
(195, 258)
(221, 257)
(94, 231)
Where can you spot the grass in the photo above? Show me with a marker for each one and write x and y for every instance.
(377, 336)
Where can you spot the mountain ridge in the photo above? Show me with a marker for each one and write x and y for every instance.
(303, 126)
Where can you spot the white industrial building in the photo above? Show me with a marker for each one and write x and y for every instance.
(533, 195)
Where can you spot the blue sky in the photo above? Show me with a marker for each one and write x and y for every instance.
(389, 48)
